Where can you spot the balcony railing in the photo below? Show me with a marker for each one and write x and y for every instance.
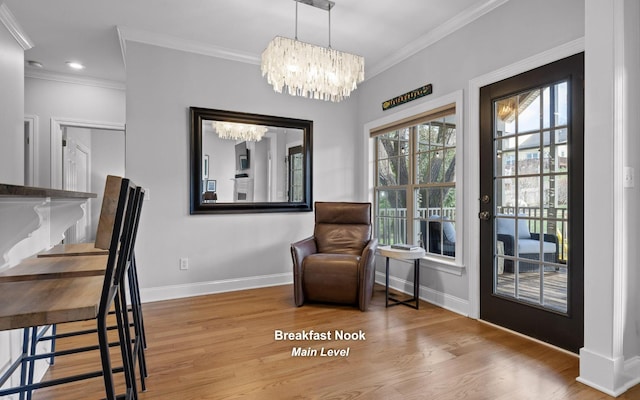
(392, 223)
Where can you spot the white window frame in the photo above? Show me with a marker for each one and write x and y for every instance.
(450, 265)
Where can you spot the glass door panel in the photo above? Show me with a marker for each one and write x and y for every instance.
(530, 207)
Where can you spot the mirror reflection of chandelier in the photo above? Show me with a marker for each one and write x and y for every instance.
(308, 70)
(238, 131)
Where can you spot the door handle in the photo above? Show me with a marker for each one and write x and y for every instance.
(484, 215)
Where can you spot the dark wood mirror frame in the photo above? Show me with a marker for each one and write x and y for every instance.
(198, 206)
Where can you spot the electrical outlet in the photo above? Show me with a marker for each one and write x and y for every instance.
(184, 263)
(628, 177)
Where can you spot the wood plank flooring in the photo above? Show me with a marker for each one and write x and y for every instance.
(223, 347)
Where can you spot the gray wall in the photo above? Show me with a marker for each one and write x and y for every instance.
(107, 158)
(491, 42)
(53, 99)
(253, 248)
(12, 109)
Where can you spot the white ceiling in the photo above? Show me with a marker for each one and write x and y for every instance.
(382, 31)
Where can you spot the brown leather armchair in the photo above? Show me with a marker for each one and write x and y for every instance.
(336, 264)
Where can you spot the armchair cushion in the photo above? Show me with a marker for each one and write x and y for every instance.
(342, 239)
(342, 228)
(330, 277)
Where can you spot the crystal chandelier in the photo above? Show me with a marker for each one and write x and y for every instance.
(237, 131)
(308, 70)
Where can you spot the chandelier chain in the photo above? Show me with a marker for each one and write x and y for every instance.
(329, 27)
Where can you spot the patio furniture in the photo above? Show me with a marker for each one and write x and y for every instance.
(527, 243)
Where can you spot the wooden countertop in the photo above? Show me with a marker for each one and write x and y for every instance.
(7, 190)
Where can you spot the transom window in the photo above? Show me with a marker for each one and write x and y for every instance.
(415, 185)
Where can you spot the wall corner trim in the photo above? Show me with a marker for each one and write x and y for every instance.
(9, 21)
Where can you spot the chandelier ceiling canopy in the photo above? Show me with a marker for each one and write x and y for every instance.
(238, 131)
(308, 70)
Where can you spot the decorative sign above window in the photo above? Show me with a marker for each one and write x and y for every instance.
(407, 97)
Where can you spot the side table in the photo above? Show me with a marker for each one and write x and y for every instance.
(415, 255)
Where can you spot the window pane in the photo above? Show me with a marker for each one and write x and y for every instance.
(403, 170)
(435, 222)
(505, 116)
(528, 154)
(449, 170)
(505, 157)
(423, 137)
(384, 173)
(555, 151)
(387, 147)
(529, 192)
(436, 133)
(392, 216)
(422, 169)
(529, 111)
(450, 130)
(561, 104)
(436, 167)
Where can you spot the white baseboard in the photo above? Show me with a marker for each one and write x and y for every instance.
(203, 288)
(446, 301)
(440, 299)
(610, 376)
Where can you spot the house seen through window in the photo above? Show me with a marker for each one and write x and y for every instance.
(415, 185)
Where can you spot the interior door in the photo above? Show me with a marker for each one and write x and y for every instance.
(296, 175)
(76, 169)
(531, 205)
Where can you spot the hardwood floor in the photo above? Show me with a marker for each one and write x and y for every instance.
(223, 347)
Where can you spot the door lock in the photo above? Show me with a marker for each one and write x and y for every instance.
(485, 199)
(484, 215)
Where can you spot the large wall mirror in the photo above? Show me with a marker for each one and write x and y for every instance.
(243, 163)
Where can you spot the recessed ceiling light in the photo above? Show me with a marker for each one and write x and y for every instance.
(75, 65)
(35, 64)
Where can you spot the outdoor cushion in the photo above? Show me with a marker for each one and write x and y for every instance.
(506, 226)
(449, 231)
(532, 246)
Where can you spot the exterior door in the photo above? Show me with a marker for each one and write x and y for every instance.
(531, 205)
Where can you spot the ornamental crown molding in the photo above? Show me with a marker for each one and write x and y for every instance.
(77, 80)
(9, 21)
(433, 36)
(158, 39)
(171, 42)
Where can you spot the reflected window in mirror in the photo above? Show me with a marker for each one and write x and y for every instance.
(259, 163)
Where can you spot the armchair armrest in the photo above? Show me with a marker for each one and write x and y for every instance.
(508, 243)
(299, 250)
(367, 269)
